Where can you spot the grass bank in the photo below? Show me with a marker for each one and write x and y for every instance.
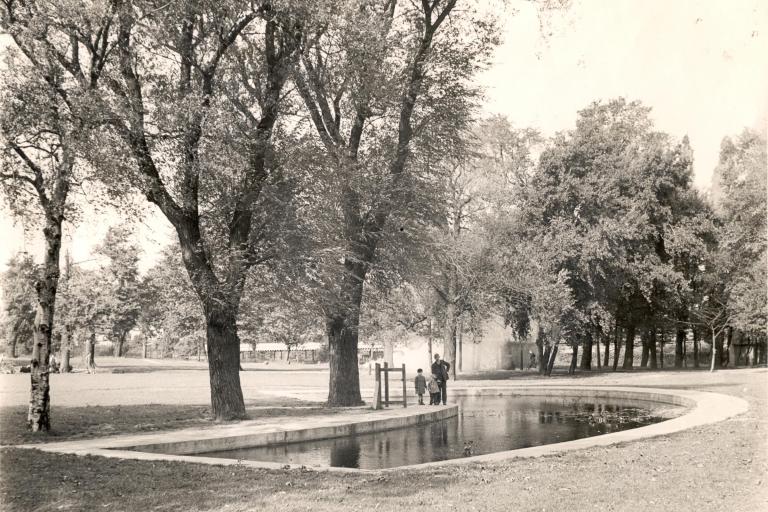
(71, 423)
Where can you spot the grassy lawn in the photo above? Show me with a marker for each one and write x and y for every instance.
(97, 421)
(716, 467)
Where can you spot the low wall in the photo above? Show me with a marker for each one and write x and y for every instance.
(581, 392)
(404, 418)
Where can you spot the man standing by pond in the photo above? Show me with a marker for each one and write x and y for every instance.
(440, 369)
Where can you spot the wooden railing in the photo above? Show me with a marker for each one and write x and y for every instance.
(382, 399)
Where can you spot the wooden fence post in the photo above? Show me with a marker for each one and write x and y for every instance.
(405, 392)
(386, 384)
(377, 388)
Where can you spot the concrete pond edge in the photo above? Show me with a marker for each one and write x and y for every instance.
(703, 408)
(186, 445)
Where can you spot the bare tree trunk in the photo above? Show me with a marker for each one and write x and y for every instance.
(344, 386)
(429, 342)
(39, 414)
(90, 349)
(755, 349)
(629, 348)
(459, 341)
(599, 339)
(646, 351)
(662, 341)
(117, 349)
(714, 351)
(451, 319)
(607, 355)
(586, 356)
(652, 348)
(680, 336)
(574, 358)
(719, 341)
(616, 344)
(66, 348)
(224, 361)
(733, 359)
(553, 354)
(342, 329)
(695, 348)
(540, 351)
(449, 337)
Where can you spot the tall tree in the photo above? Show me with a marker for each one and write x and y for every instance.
(120, 288)
(740, 200)
(42, 122)
(170, 309)
(612, 202)
(374, 79)
(203, 153)
(19, 301)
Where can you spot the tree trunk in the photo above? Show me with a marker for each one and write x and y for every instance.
(733, 359)
(90, 350)
(586, 356)
(652, 349)
(224, 361)
(607, 355)
(344, 386)
(719, 341)
(695, 348)
(597, 348)
(459, 341)
(451, 322)
(575, 357)
(65, 366)
(39, 413)
(540, 351)
(646, 350)
(714, 351)
(429, 343)
(553, 353)
(662, 342)
(680, 336)
(118, 347)
(629, 348)
(755, 355)
(616, 338)
(66, 348)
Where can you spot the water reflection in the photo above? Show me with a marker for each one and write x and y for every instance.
(484, 425)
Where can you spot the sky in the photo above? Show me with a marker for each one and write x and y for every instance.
(701, 65)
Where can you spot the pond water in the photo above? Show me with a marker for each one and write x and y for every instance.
(484, 425)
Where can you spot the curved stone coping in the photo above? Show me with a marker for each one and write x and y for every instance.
(190, 444)
(705, 408)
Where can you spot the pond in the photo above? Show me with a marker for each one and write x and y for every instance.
(485, 424)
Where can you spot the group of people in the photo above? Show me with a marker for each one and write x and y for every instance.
(437, 384)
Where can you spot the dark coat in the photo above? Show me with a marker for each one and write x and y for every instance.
(440, 369)
(421, 384)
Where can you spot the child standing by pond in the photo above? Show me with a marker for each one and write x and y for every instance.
(434, 391)
(421, 385)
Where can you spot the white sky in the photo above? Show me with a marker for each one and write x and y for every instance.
(701, 65)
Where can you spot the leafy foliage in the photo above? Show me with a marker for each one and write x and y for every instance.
(20, 302)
